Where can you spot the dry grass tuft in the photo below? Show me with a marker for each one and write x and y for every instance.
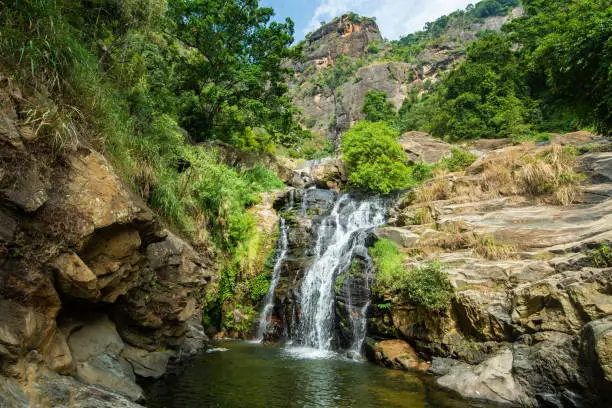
(551, 174)
(489, 248)
(436, 190)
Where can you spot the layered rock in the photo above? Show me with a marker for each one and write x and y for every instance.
(529, 323)
(91, 284)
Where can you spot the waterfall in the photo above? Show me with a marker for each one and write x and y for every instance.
(340, 237)
(268, 301)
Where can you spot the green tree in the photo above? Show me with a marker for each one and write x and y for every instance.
(233, 76)
(374, 158)
(485, 97)
(377, 108)
(566, 45)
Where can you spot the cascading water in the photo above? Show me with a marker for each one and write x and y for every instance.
(268, 301)
(341, 236)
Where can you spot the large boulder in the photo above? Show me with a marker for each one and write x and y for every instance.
(147, 364)
(597, 354)
(96, 348)
(323, 173)
(491, 380)
(399, 355)
(423, 148)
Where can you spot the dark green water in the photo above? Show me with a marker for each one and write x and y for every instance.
(249, 375)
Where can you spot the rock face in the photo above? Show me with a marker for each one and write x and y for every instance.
(422, 148)
(345, 36)
(491, 380)
(91, 284)
(332, 111)
(530, 321)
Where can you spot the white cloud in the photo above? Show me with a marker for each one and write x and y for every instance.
(394, 17)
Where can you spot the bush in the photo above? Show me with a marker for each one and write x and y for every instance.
(601, 256)
(459, 160)
(374, 158)
(377, 109)
(427, 286)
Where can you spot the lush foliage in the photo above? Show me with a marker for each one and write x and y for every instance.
(141, 81)
(377, 108)
(427, 285)
(374, 159)
(547, 71)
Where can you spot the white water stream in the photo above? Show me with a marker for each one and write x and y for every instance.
(340, 235)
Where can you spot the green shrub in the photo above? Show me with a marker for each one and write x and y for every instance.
(259, 286)
(601, 256)
(374, 158)
(427, 286)
(389, 265)
(459, 160)
(377, 108)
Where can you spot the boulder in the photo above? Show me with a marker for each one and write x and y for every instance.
(95, 190)
(60, 391)
(399, 355)
(147, 364)
(597, 353)
(576, 138)
(328, 173)
(29, 190)
(96, 349)
(547, 366)
(74, 277)
(8, 226)
(401, 236)
(57, 354)
(423, 148)
(484, 316)
(491, 380)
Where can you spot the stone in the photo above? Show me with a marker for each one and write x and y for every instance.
(96, 348)
(29, 191)
(491, 380)
(147, 364)
(401, 236)
(596, 350)
(57, 354)
(8, 226)
(327, 173)
(484, 316)
(113, 255)
(442, 366)
(23, 329)
(97, 192)
(547, 366)
(59, 391)
(74, 277)
(399, 355)
(576, 138)
(423, 148)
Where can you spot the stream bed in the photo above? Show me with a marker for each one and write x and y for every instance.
(254, 375)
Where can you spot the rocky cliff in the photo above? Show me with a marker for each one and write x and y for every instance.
(530, 321)
(94, 291)
(356, 42)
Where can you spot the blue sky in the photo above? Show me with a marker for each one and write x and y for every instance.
(395, 17)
